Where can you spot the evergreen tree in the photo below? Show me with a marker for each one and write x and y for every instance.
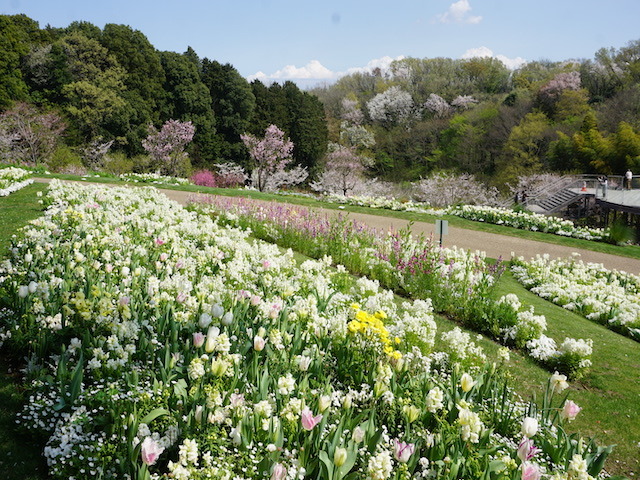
(16, 34)
(233, 104)
(188, 99)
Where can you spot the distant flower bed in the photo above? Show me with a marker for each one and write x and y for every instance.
(499, 216)
(381, 202)
(154, 178)
(605, 296)
(13, 179)
(527, 221)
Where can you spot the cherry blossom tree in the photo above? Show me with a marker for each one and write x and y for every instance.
(167, 146)
(394, 105)
(343, 170)
(351, 112)
(442, 189)
(270, 156)
(356, 135)
(94, 153)
(463, 102)
(437, 105)
(29, 135)
(230, 175)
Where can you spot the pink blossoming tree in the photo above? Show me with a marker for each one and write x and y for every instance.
(167, 146)
(271, 156)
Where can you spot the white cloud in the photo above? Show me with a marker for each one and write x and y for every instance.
(459, 12)
(312, 70)
(315, 71)
(383, 63)
(511, 63)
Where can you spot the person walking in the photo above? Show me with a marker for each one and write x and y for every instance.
(628, 177)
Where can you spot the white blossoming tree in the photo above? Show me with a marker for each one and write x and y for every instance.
(443, 189)
(437, 105)
(344, 169)
(393, 106)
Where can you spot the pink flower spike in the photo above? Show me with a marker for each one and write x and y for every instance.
(402, 450)
(308, 420)
(150, 451)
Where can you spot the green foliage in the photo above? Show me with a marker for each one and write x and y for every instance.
(16, 32)
(526, 147)
(118, 163)
(233, 104)
(62, 158)
(188, 99)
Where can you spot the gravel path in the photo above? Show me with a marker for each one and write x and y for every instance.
(493, 244)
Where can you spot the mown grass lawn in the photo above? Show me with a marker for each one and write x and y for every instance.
(20, 456)
(609, 394)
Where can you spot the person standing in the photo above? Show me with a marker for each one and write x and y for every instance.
(627, 178)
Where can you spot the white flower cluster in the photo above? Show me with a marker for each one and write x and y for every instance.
(527, 332)
(607, 296)
(154, 178)
(460, 348)
(527, 221)
(13, 179)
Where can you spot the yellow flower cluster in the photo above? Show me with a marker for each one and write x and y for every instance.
(370, 325)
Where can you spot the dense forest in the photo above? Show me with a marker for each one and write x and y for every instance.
(105, 87)
(95, 86)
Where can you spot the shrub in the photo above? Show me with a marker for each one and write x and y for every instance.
(204, 178)
(65, 159)
(118, 163)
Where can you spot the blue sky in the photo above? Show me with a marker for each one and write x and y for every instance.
(314, 41)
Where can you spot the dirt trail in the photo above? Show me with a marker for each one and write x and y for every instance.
(493, 244)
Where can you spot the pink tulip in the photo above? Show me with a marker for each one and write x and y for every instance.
(279, 472)
(198, 339)
(150, 451)
(308, 420)
(527, 450)
(530, 471)
(570, 410)
(402, 450)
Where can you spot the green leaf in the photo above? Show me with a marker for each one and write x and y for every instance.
(153, 414)
(328, 463)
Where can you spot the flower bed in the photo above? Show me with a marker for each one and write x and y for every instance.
(605, 296)
(154, 178)
(496, 215)
(528, 221)
(459, 282)
(163, 345)
(13, 179)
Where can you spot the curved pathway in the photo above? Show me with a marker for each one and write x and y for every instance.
(493, 244)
